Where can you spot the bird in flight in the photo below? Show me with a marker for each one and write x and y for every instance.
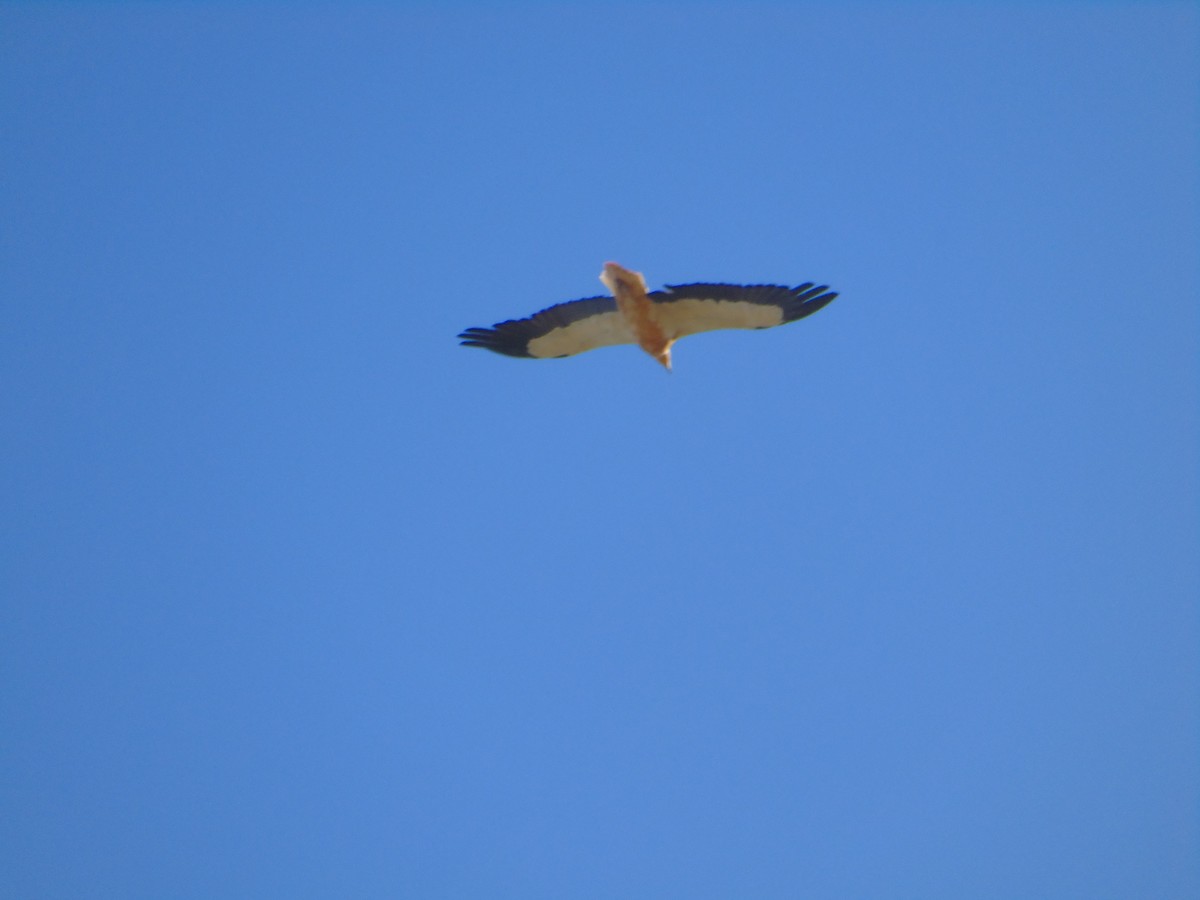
(652, 320)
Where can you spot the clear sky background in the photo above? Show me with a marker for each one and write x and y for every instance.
(301, 599)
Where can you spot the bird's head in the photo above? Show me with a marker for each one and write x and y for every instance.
(616, 276)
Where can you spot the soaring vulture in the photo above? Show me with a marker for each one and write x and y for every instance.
(654, 321)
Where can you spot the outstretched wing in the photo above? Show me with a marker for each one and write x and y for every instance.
(562, 330)
(684, 309)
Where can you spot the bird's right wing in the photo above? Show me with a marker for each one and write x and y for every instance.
(561, 330)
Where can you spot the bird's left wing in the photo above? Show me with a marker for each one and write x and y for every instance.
(684, 309)
(561, 330)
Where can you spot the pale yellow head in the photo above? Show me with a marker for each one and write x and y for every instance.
(616, 277)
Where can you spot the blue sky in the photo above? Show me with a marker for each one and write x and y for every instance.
(301, 599)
